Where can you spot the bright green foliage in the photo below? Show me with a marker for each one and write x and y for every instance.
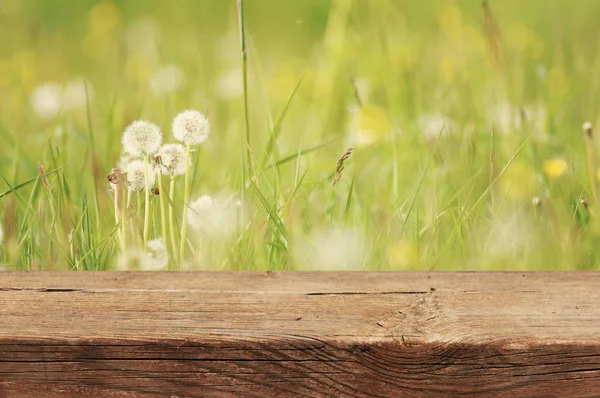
(466, 123)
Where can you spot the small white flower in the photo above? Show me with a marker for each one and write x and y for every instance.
(157, 250)
(136, 179)
(587, 126)
(168, 79)
(170, 159)
(46, 99)
(191, 127)
(142, 138)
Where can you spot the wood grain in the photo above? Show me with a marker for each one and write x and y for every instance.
(227, 334)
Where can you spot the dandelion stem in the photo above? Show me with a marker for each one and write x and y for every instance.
(126, 220)
(118, 217)
(241, 24)
(163, 217)
(186, 197)
(146, 200)
(171, 222)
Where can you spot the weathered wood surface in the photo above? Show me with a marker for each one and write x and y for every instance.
(299, 334)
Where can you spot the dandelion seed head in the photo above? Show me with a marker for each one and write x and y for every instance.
(200, 214)
(142, 138)
(46, 99)
(133, 260)
(536, 201)
(157, 250)
(587, 128)
(191, 127)
(136, 179)
(139, 260)
(170, 159)
(215, 216)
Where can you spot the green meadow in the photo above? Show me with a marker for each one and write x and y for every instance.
(354, 135)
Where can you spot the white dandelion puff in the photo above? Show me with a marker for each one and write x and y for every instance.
(142, 138)
(191, 127)
(46, 99)
(136, 179)
(133, 260)
(215, 216)
(157, 250)
(170, 159)
(139, 260)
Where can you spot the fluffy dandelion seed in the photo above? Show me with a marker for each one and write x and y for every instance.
(554, 168)
(216, 217)
(139, 260)
(133, 260)
(191, 127)
(536, 201)
(142, 138)
(201, 215)
(157, 250)
(136, 179)
(170, 159)
(46, 100)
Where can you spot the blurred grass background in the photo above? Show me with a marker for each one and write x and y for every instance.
(506, 185)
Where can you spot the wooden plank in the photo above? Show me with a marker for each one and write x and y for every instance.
(299, 334)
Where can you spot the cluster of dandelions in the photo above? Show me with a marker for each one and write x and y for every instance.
(146, 164)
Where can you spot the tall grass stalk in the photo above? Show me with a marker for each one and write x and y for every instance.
(242, 29)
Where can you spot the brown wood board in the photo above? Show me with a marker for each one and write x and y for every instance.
(355, 334)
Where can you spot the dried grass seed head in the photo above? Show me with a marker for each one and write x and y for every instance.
(142, 138)
(136, 178)
(587, 129)
(191, 127)
(170, 159)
